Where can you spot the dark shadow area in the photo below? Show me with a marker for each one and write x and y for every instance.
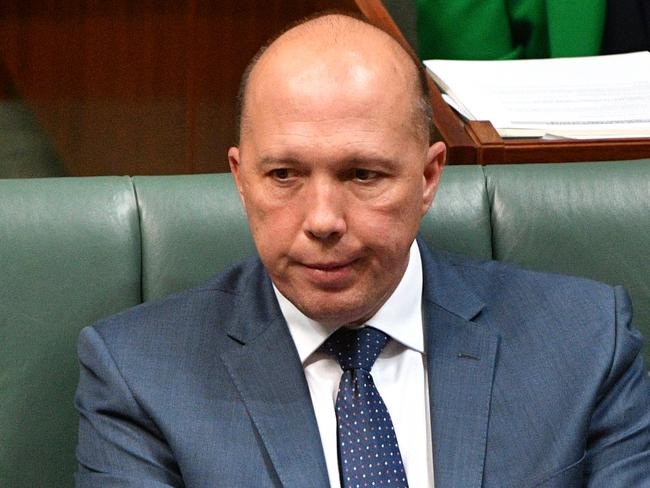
(25, 149)
(627, 26)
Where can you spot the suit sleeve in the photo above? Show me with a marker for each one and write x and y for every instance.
(119, 445)
(618, 450)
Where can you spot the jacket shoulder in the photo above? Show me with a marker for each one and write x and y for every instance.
(212, 304)
(496, 280)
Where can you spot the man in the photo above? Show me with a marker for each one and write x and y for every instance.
(484, 375)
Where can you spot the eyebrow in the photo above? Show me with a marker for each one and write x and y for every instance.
(373, 160)
(349, 161)
(274, 160)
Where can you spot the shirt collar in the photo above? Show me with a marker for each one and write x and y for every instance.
(400, 316)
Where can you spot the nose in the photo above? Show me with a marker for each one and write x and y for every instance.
(325, 211)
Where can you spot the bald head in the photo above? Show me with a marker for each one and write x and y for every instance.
(343, 51)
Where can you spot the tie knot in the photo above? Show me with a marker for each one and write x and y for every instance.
(355, 348)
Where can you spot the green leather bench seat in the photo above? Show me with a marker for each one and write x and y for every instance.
(73, 250)
(588, 220)
(69, 254)
(192, 227)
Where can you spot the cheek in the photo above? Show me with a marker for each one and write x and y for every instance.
(273, 227)
(386, 233)
(264, 210)
(396, 213)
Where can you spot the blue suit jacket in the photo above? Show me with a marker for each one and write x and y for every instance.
(535, 380)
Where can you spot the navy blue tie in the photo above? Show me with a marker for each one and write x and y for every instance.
(367, 446)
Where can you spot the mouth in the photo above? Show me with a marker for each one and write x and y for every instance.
(330, 274)
(329, 266)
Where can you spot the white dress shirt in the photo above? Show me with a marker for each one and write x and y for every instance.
(399, 374)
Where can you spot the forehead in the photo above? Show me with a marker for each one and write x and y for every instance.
(325, 116)
(330, 88)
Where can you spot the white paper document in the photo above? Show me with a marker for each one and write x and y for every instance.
(585, 98)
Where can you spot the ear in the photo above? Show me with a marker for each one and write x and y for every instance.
(435, 162)
(234, 162)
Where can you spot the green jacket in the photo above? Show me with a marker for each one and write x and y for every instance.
(509, 29)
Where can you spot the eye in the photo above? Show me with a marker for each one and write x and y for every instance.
(281, 173)
(362, 174)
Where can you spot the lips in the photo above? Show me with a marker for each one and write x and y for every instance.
(329, 266)
(331, 274)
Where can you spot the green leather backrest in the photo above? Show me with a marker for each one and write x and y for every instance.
(582, 219)
(459, 219)
(69, 254)
(192, 227)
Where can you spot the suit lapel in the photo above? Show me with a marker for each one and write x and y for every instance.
(266, 369)
(460, 364)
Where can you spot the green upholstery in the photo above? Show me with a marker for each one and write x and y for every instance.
(192, 227)
(459, 219)
(69, 254)
(583, 219)
(75, 249)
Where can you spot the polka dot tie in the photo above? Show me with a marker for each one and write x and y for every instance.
(368, 450)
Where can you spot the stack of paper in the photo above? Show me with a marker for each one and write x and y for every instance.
(582, 98)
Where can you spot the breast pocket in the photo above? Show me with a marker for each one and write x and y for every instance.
(567, 477)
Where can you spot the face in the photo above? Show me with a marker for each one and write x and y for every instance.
(334, 180)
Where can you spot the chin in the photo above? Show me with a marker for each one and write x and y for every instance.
(352, 304)
(336, 319)
(333, 312)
